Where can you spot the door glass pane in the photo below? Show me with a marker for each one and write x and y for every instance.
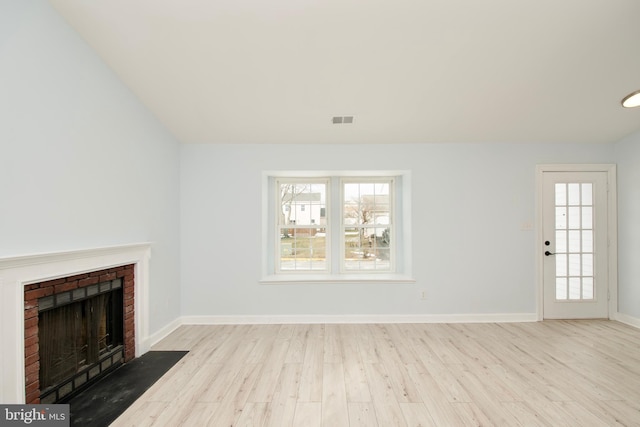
(561, 194)
(587, 265)
(561, 265)
(574, 241)
(587, 193)
(574, 264)
(561, 218)
(574, 288)
(587, 217)
(574, 194)
(574, 217)
(587, 288)
(587, 241)
(561, 288)
(561, 241)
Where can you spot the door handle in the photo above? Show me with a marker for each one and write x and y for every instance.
(547, 253)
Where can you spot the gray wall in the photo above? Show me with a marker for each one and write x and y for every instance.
(82, 163)
(628, 157)
(470, 202)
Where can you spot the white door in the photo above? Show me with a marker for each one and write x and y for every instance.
(575, 245)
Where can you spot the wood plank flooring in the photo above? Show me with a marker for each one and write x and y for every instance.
(552, 373)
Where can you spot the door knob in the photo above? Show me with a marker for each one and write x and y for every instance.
(547, 253)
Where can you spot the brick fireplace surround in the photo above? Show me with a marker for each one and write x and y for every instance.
(51, 287)
(26, 278)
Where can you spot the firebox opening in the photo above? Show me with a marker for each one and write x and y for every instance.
(81, 338)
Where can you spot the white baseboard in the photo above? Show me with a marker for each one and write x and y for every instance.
(374, 318)
(628, 320)
(158, 336)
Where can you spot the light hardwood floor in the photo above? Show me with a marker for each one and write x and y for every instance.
(552, 373)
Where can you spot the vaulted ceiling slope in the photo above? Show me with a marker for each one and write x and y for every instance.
(408, 71)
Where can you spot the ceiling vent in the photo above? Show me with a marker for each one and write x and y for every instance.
(338, 120)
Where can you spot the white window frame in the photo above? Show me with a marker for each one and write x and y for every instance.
(401, 237)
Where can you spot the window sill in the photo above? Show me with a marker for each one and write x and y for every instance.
(285, 279)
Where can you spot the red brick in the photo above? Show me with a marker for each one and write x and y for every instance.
(33, 368)
(52, 282)
(33, 349)
(69, 286)
(31, 340)
(34, 386)
(35, 294)
(32, 377)
(31, 359)
(107, 276)
(30, 304)
(33, 398)
(30, 323)
(30, 287)
(77, 277)
(88, 281)
(32, 312)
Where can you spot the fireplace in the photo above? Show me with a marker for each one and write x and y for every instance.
(77, 329)
(25, 283)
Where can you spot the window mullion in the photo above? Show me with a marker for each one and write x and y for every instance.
(335, 221)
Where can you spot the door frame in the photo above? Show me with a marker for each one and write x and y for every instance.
(612, 231)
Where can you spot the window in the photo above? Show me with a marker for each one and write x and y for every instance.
(352, 226)
(302, 242)
(367, 209)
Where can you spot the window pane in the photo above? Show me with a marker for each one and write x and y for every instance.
(367, 218)
(367, 248)
(302, 203)
(303, 249)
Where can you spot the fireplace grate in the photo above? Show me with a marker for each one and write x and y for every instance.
(64, 391)
(81, 337)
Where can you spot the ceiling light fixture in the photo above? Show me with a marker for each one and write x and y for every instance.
(631, 100)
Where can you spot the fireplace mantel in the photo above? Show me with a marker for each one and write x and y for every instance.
(17, 272)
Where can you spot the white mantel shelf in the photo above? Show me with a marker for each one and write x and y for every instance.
(18, 271)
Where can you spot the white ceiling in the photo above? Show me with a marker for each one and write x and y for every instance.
(409, 71)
